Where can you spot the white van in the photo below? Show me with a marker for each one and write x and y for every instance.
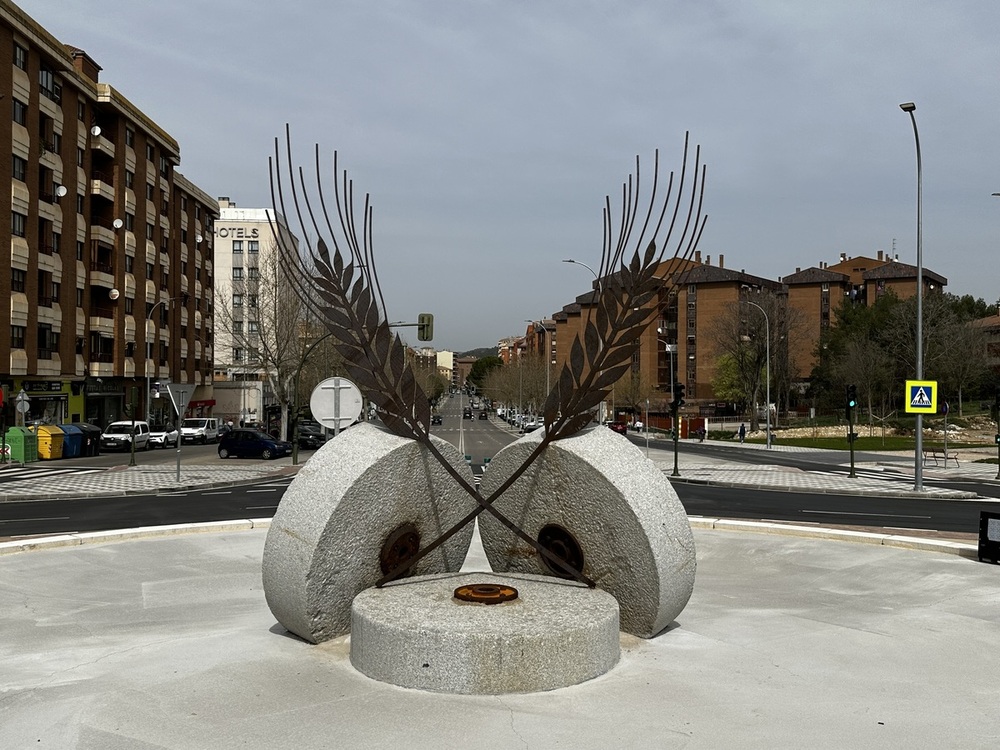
(117, 436)
(200, 430)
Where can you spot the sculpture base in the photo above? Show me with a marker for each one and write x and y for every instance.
(414, 633)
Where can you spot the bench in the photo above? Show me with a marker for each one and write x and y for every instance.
(936, 454)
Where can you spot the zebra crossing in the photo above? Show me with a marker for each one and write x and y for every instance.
(22, 472)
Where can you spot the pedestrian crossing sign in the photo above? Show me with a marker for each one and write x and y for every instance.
(921, 396)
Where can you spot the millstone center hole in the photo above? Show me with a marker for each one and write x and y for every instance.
(561, 543)
(399, 546)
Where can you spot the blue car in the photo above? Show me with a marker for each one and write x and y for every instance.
(244, 443)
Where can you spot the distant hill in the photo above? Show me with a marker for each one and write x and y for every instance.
(486, 351)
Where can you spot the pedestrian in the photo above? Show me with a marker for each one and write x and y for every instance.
(743, 431)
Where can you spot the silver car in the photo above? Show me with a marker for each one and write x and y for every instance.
(163, 436)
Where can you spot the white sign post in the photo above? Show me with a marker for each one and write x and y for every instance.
(336, 403)
(180, 397)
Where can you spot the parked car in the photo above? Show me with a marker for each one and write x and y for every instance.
(118, 436)
(620, 427)
(311, 437)
(244, 443)
(200, 430)
(163, 436)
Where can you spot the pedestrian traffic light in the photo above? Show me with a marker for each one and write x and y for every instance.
(425, 327)
(678, 401)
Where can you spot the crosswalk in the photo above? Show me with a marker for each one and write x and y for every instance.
(863, 474)
(18, 473)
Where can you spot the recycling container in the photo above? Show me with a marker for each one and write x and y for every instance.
(50, 441)
(23, 445)
(72, 440)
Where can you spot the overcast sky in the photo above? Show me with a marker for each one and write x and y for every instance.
(489, 131)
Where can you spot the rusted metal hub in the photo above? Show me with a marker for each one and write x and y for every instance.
(486, 593)
(563, 545)
(402, 544)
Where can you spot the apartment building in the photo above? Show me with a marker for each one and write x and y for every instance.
(108, 265)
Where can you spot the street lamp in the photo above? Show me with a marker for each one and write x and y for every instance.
(767, 367)
(918, 472)
(149, 351)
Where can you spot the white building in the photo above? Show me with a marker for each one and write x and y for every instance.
(244, 241)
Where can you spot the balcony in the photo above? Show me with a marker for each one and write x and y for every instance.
(102, 185)
(102, 274)
(102, 145)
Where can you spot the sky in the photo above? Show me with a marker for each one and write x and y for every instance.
(488, 132)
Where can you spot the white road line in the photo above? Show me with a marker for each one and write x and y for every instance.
(849, 513)
(228, 492)
(49, 518)
(252, 491)
(261, 507)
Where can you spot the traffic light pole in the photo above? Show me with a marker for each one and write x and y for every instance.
(850, 437)
(677, 432)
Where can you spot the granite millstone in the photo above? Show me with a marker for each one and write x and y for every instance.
(622, 511)
(414, 633)
(324, 543)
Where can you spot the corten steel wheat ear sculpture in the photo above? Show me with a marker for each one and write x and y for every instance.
(346, 295)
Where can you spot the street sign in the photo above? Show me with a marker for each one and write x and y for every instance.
(921, 396)
(336, 403)
(180, 395)
(23, 407)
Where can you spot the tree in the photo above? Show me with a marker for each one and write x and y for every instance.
(481, 368)
(632, 391)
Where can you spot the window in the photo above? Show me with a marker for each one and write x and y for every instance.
(79, 203)
(129, 264)
(252, 300)
(252, 327)
(238, 326)
(17, 279)
(129, 179)
(149, 152)
(129, 305)
(79, 250)
(20, 112)
(184, 235)
(17, 337)
(237, 300)
(18, 223)
(48, 341)
(252, 272)
(237, 273)
(237, 246)
(79, 300)
(184, 268)
(164, 167)
(237, 354)
(20, 168)
(253, 246)
(149, 192)
(149, 270)
(150, 230)
(129, 137)
(129, 222)
(81, 111)
(49, 85)
(80, 156)
(20, 57)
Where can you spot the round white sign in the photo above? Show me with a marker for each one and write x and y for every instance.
(336, 403)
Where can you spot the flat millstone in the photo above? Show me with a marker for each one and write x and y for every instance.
(414, 633)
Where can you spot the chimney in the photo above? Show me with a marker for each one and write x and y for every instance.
(697, 256)
(797, 269)
(843, 257)
(722, 260)
(880, 255)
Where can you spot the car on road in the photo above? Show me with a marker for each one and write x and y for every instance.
(483, 415)
(118, 436)
(435, 419)
(163, 436)
(467, 413)
(311, 436)
(244, 443)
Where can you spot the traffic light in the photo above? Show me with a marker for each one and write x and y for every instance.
(852, 399)
(678, 401)
(425, 327)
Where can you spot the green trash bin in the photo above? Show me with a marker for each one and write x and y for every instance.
(50, 441)
(21, 445)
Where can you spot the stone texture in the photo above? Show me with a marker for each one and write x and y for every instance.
(634, 532)
(324, 542)
(415, 634)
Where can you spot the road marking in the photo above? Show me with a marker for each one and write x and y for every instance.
(849, 513)
(227, 492)
(49, 518)
(260, 507)
(252, 491)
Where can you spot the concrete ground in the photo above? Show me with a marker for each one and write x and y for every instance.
(162, 639)
(787, 642)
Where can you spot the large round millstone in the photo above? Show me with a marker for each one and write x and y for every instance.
(595, 497)
(364, 497)
(414, 633)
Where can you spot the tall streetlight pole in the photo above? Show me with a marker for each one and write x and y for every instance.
(767, 366)
(918, 463)
(149, 353)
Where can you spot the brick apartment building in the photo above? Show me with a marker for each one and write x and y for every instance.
(108, 265)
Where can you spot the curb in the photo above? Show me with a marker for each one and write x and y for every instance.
(961, 549)
(861, 492)
(123, 535)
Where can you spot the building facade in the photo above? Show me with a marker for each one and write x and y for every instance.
(108, 261)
